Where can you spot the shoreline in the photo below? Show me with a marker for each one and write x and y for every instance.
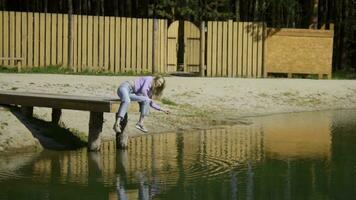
(195, 102)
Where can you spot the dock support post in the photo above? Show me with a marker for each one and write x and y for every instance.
(56, 115)
(95, 128)
(122, 138)
(27, 111)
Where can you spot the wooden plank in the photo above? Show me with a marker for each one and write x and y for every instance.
(112, 42)
(219, 47)
(133, 44)
(79, 42)
(53, 39)
(128, 44)
(250, 49)
(65, 40)
(123, 45)
(48, 29)
(150, 45)
(245, 50)
(6, 41)
(101, 43)
(1, 37)
(239, 50)
(60, 39)
(144, 45)
(106, 44)
(139, 46)
(60, 101)
(36, 42)
(214, 49)
(230, 42)
(84, 46)
(161, 44)
(224, 52)
(90, 43)
(117, 37)
(165, 45)
(74, 62)
(255, 50)
(18, 38)
(30, 38)
(95, 43)
(23, 38)
(12, 20)
(42, 39)
(234, 48)
(260, 50)
(209, 53)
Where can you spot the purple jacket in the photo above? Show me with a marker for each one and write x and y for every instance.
(143, 87)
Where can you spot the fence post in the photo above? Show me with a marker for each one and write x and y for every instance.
(202, 49)
(70, 34)
(154, 45)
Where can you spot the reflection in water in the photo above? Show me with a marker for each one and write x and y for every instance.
(294, 156)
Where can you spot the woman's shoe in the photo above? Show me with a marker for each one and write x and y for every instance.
(117, 127)
(141, 128)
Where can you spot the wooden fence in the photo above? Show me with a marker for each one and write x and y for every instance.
(99, 43)
(235, 49)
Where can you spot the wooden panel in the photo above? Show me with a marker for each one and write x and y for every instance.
(165, 38)
(123, 45)
(162, 29)
(139, 46)
(42, 38)
(133, 44)
(150, 45)
(208, 53)
(101, 43)
(172, 46)
(65, 40)
(60, 39)
(117, 43)
(95, 43)
(144, 45)
(214, 49)
(128, 65)
(60, 101)
(112, 42)
(84, 46)
(48, 29)
(219, 47)
(18, 38)
(30, 35)
(240, 50)
(36, 46)
(106, 44)
(90, 43)
(12, 20)
(54, 39)
(23, 38)
(234, 48)
(157, 47)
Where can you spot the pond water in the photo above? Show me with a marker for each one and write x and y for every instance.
(290, 156)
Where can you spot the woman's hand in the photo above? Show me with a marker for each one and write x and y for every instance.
(166, 111)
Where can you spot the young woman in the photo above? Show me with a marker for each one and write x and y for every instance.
(141, 90)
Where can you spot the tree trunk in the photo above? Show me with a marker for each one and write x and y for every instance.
(237, 10)
(314, 18)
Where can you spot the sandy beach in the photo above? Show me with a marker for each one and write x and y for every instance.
(195, 103)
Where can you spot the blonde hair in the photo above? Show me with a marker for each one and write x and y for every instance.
(157, 91)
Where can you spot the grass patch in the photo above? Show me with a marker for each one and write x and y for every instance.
(66, 70)
(345, 74)
(168, 102)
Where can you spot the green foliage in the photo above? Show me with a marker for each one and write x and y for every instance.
(168, 102)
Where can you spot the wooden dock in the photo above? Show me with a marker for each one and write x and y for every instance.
(95, 105)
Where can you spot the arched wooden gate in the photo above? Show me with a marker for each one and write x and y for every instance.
(191, 47)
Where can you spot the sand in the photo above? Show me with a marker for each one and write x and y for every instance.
(195, 103)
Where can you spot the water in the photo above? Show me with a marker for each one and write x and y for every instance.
(291, 156)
